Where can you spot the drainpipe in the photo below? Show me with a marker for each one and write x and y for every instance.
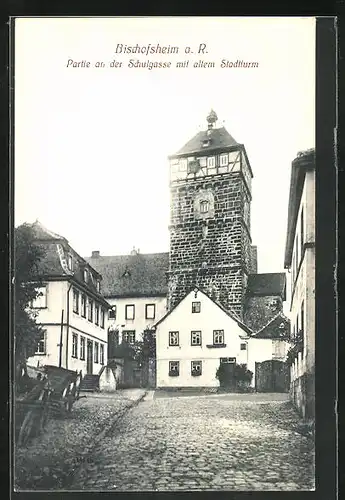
(67, 322)
(61, 337)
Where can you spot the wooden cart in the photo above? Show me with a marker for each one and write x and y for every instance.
(54, 394)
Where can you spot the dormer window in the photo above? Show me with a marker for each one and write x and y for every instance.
(70, 262)
(204, 204)
(85, 275)
(205, 143)
(98, 286)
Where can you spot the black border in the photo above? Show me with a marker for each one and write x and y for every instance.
(325, 245)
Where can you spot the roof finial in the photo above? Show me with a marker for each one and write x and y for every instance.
(211, 119)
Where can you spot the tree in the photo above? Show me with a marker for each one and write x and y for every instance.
(27, 332)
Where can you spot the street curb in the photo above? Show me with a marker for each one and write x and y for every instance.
(81, 469)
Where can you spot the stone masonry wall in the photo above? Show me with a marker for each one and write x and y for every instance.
(210, 250)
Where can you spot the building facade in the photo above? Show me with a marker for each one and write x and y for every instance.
(210, 241)
(300, 261)
(135, 286)
(70, 308)
(198, 334)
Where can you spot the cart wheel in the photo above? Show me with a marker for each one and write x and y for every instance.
(26, 429)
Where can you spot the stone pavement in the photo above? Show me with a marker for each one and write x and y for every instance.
(51, 460)
(202, 443)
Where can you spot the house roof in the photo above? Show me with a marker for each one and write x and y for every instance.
(304, 161)
(231, 314)
(277, 328)
(219, 138)
(53, 264)
(267, 284)
(133, 275)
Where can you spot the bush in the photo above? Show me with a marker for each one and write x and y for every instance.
(234, 376)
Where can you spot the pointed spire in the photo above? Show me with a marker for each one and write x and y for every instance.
(211, 119)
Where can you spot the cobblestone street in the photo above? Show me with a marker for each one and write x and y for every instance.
(216, 442)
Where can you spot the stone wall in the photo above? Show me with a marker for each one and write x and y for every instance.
(213, 250)
(302, 395)
(258, 311)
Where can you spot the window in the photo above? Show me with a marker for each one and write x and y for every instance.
(98, 286)
(196, 307)
(90, 310)
(70, 263)
(96, 314)
(112, 313)
(211, 161)
(183, 165)
(95, 352)
(302, 231)
(196, 368)
(40, 302)
(41, 346)
(173, 338)
(204, 206)
(82, 347)
(83, 306)
(218, 337)
(174, 368)
(130, 311)
(195, 338)
(205, 143)
(74, 345)
(150, 311)
(128, 336)
(75, 301)
(85, 275)
(101, 354)
(223, 160)
(102, 317)
(227, 360)
(203, 161)
(243, 347)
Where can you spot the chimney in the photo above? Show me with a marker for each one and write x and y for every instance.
(254, 266)
(95, 254)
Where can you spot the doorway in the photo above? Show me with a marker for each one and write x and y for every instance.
(89, 357)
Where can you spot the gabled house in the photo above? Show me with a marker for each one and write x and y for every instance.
(70, 306)
(198, 334)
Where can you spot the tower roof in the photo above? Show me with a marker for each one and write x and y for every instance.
(209, 139)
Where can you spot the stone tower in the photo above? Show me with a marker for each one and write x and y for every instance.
(210, 242)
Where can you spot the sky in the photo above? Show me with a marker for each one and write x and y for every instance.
(91, 143)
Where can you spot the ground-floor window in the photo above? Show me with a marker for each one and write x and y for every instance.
(96, 348)
(196, 368)
(101, 354)
(128, 336)
(174, 368)
(41, 346)
(74, 345)
(82, 347)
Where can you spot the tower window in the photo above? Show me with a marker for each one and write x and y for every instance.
(204, 204)
(183, 165)
(223, 160)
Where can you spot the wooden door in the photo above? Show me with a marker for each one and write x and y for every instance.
(89, 357)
